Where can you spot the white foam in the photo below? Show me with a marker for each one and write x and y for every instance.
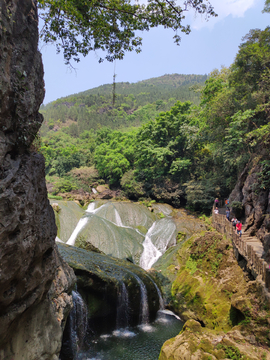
(123, 333)
(169, 312)
(146, 328)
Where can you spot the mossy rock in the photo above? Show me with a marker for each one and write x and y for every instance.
(99, 280)
(199, 343)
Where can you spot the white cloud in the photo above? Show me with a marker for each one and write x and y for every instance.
(223, 8)
(236, 8)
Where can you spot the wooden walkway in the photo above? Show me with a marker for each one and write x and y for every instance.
(247, 246)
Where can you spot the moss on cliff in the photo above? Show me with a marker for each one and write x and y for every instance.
(209, 286)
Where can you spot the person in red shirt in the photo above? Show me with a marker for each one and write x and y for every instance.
(239, 228)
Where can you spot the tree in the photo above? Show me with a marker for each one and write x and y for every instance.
(81, 26)
(266, 8)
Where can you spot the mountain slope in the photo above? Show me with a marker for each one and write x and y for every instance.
(134, 104)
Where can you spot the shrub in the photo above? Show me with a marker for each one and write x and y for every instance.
(63, 185)
(132, 187)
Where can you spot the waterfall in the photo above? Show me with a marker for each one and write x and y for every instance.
(75, 329)
(58, 240)
(122, 315)
(78, 317)
(144, 309)
(91, 207)
(150, 252)
(159, 237)
(161, 301)
(82, 222)
(118, 220)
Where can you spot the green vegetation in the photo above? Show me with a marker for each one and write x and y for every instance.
(186, 155)
(231, 352)
(135, 104)
(80, 26)
(54, 197)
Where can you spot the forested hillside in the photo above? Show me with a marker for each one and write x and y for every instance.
(188, 154)
(134, 104)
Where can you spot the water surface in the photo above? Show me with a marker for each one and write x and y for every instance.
(139, 343)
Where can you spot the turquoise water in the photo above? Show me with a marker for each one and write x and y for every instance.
(139, 343)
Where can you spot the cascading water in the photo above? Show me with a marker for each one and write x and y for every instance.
(122, 315)
(120, 226)
(75, 329)
(159, 237)
(150, 252)
(91, 207)
(161, 301)
(118, 220)
(82, 222)
(80, 225)
(144, 308)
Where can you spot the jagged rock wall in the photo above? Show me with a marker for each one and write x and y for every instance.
(256, 204)
(28, 258)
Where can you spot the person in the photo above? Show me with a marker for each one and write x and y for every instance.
(216, 202)
(216, 211)
(239, 228)
(227, 202)
(234, 221)
(228, 214)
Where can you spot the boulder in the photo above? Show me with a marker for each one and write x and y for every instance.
(197, 343)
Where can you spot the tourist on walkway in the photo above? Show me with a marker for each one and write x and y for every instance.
(216, 211)
(216, 202)
(227, 202)
(239, 228)
(228, 214)
(234, 222)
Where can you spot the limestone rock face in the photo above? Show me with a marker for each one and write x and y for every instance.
(38, 333)
(28, 259)
(196, 343)
(256, 205)
(21, 76)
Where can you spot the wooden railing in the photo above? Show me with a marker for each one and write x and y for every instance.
(256, 263)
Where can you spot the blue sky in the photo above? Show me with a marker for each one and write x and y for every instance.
(210, 45)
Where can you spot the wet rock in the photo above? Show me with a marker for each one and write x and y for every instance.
(99, 281)
(37, 334)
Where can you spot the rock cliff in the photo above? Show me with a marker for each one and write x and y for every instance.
(254, 202)
(32, 276)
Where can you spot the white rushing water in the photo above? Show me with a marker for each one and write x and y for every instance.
(122, 313)
(82, 222)
(159, 237)
(144, 309)
(118, 220)
(150, 252)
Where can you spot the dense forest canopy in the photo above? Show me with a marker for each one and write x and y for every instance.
(188, 154)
